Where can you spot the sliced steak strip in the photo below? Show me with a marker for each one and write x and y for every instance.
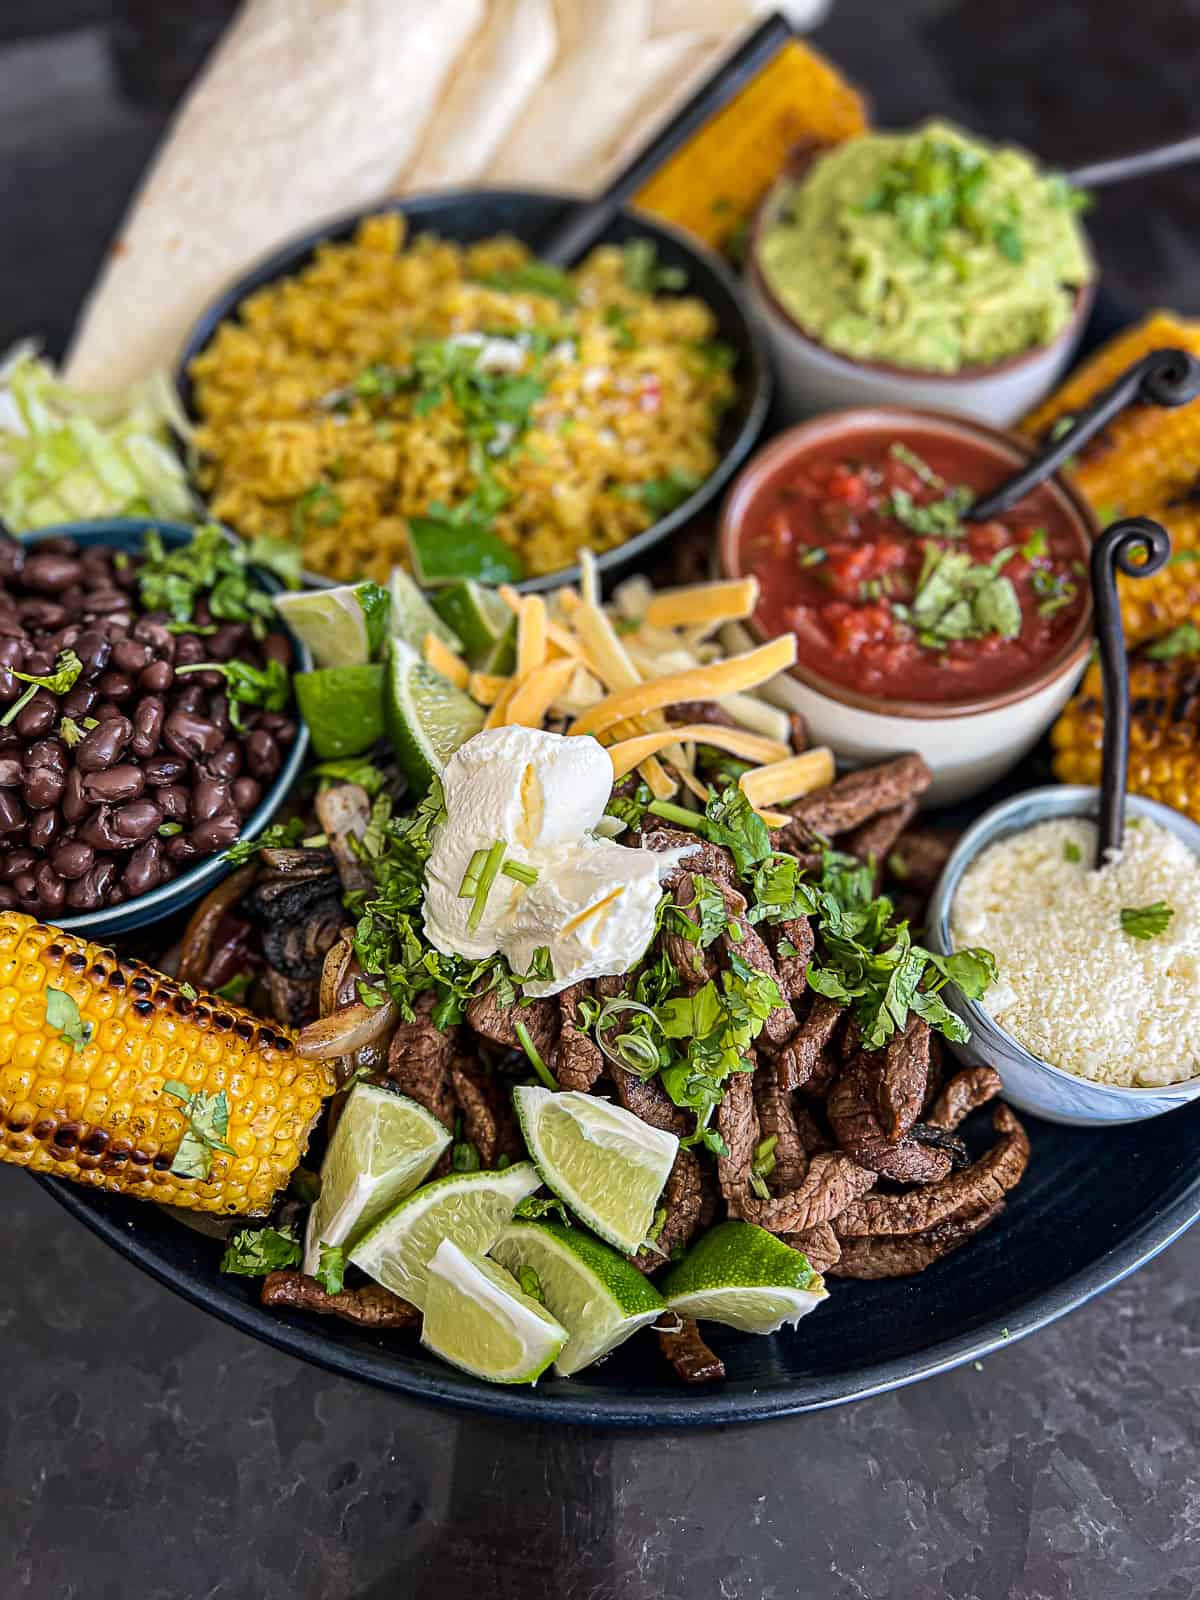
(497, 1023)
(580, 1059)
(372, 1306)
(801, 1062)
(687, 1352)
(713, 860)
(737, 1123)
(853, 799)
(852, 1109)
(966, 1092)
(903, 1078)
(797, 934)
(694, 965)
(833, 1182)
(683, 1199)
(819, 1244)
(872, 841)
(781, 1024)
(647, 1099)
(963, 1194)
(897, 1256)
(685, 711)
(776, 1119)
(488, 1120)
(918, 857)
(419, 1060)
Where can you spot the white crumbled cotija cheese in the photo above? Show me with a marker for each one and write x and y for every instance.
(1074, 988)
(593, 904)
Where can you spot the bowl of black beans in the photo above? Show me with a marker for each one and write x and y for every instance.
(147, 722)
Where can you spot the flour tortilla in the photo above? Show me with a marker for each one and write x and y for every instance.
(492, 84)
(309, 108)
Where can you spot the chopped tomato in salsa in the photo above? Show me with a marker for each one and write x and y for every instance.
(862, 554)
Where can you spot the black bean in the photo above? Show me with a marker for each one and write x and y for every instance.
(72, 859)
(43, 787)
(11, 770)
(37, 717)
(157, 635)
(12, 812)
(189, 735)
(226, 641)
(50, 573)
(218, 711)
(26, 886)
(190, 698)
(209, 798)
(247, 792)
(10, 687)
(181, 849)
(99, 831)
(130, 655)
(75, 804)
(207, 681)
(51, 890)
(103, 602)
(106, 711)
(262, 755)
(157, 678)
(14, 862)
(65, 638)
(145, 868)
(189, 649)
(174, 801)
(116, 685)
(147, 727)
(226, 762)
(100, 747)
(84, 893)
(164, 768)
(277, 647)
(45, 827)
(47, 753)
(41, 614)
(94, 650)
(9, 900)
(77, 703)
(137, 820)
(123, 782)
(218, 833)
(12, 559)
(285, 732)
(12, 651)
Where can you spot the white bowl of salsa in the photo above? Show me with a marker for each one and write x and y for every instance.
(914, 630)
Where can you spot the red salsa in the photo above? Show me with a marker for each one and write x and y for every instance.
(862, 554)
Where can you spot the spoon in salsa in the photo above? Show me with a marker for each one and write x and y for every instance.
(1166, 377)
(1138, 547)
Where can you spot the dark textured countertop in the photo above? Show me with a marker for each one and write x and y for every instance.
(147, 1450)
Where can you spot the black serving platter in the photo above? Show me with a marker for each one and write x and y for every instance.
(1094, 1205)
(468, 215)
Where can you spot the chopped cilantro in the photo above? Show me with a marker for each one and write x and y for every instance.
(1146, 922)
(208, 1123)
(642, 271)
(331, 1269)
(212, 564)
(63, 1018)
(1072, 853)
(279, 836)
(661, 496)
(269, 687)
(253, 1252)
(66, 670)
(534, 1207)
(1181, 641)
(534, 277)
(531, 1284)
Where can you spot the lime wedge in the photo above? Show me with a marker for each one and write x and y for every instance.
(745, 1277)
(413, 617)
(382, 1148)
(606, 1164)
(445, 552)
(469, 1207)
(343, 707)
(477, 616)
(599, 1298)
(343, 627)
(478, 1318)
(502, 657)
(427, 718)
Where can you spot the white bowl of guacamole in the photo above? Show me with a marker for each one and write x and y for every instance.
(921, 268)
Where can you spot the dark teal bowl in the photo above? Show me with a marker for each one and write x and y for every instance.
(126, 533)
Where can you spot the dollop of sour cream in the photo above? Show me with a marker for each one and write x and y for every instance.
(592, 903)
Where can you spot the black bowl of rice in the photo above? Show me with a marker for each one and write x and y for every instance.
(415, 365)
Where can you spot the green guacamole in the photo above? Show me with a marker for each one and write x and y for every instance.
(928, 250)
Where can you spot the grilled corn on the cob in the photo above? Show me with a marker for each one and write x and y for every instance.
(1164, 746)
(1147, 455)
(96, 1107)
(1154, 605)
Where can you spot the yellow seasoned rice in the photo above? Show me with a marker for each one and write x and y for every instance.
(630, 396)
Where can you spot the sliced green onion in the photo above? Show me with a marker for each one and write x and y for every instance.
(535, 1060)
(520, 873)
(487, 877)
(467, 888)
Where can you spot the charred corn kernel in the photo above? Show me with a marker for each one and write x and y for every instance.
(1153, 606)
(100, 1114)
(1147, 454)
(1164, 734)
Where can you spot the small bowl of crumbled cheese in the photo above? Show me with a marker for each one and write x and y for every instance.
(1095, 1014)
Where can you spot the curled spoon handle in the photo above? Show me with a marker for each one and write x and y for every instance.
(1114, 552)
(1137, 164)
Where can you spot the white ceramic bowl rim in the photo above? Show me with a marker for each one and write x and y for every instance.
(1031, 807)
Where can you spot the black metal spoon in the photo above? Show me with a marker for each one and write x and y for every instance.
(1167, 377)
(1114, 552)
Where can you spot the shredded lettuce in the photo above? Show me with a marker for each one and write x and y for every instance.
(66, 456)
